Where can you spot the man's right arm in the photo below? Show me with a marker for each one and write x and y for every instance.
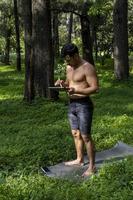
(63, 83)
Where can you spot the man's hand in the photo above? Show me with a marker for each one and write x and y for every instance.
(60, 83)
(71, 90)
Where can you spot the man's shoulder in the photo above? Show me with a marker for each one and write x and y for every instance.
(87, 66)
(68, 67)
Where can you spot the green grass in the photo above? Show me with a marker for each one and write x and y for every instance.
(39, 134)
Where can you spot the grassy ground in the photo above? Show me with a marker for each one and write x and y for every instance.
(39, 134)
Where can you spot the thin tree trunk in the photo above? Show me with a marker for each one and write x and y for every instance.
(86, 37)
(17, 36)
(55, 33)
(70, 26)
(121, 65)
(76, 31)
(7, 47)
(29, 68)
(95, 42)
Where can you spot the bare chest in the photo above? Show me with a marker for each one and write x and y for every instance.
(76, 75)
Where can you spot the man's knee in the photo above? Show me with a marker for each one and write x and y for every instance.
(76, 133)
(86, 138)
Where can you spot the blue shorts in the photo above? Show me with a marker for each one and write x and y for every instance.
(80, 114)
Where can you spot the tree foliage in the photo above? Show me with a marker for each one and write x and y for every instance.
(99, 13)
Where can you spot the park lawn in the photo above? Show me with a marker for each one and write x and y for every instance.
(39, 134)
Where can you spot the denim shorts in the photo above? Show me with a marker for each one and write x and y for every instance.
(80, 112)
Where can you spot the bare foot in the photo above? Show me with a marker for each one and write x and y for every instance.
(74, 162)
(89, 172)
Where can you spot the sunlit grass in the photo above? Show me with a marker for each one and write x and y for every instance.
(39, 134)
(11, 83)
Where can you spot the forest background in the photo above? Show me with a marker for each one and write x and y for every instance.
(34, 129)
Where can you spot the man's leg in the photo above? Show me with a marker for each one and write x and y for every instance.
(79, 149)
(91, 154)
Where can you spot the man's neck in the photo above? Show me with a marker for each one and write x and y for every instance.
(78, 63)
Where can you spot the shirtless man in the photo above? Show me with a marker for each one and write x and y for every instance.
(81, 82)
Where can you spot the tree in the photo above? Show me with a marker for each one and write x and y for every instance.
(130, 25)
(6, 31)
(121, 65)
(85, 33)
(55, 33)
(42, 48)
(39, 59)
(7, 46)
(101, 23)
(75, 8)
(29, 92)
(17, 35)
(70, 26)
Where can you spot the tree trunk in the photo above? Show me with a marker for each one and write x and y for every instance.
(43, 54)
(70, 26)
(85, 33)
(29, 69)
(55, 33)
(7, 47)
(121, 66)
(76, 30)
(94, 33)
(17, 36)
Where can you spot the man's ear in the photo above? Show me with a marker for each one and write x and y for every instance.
(67, 57)
(76, 55)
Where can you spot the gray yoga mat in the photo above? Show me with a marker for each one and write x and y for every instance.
(119, 151)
